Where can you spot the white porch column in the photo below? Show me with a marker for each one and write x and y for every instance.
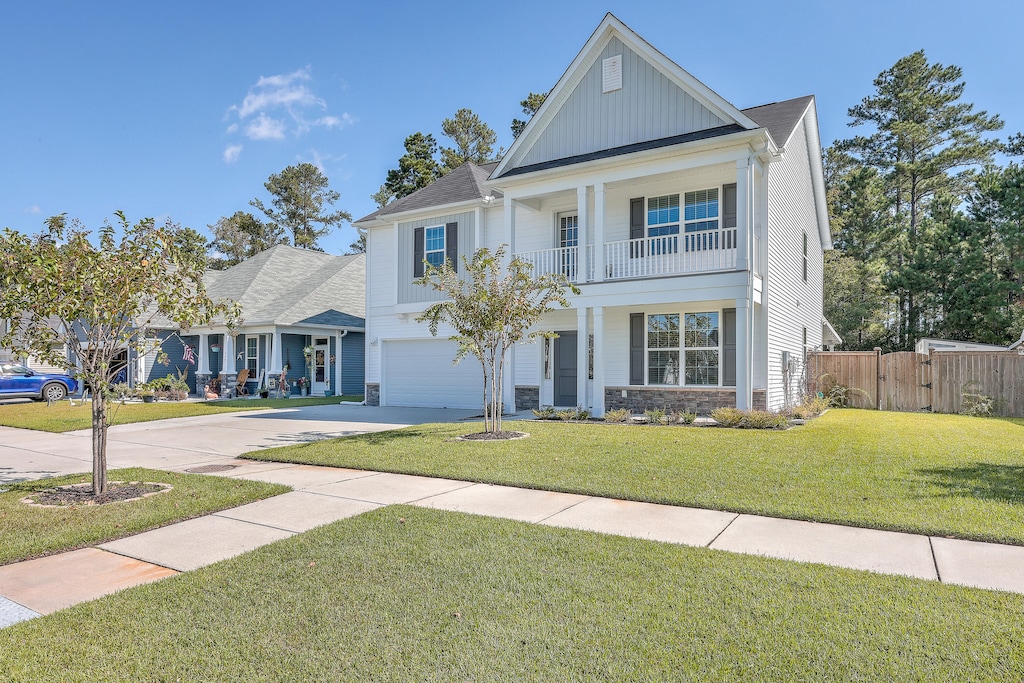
(598, 409)
(743, 203)
(203, 361)
(744, 364)
(582, 355)
(509, 233)
(582, 223)
(599, 266)
(275, 354)
(338, 336)
(227, 350)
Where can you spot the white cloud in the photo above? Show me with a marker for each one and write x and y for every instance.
(34, 210)
(281, 105)
(265, 128)
(231, 153)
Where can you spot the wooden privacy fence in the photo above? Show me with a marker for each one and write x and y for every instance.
(910, 381)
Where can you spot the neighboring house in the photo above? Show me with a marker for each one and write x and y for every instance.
(694, 230)
(290, 299)
(8, 356)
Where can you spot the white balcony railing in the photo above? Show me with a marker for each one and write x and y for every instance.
(694, 252)
(562, 260)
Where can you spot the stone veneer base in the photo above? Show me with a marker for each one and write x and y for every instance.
(690, 399)
(372, 397)
(527, 397)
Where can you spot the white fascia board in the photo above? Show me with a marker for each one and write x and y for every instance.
(810, 119)
(687, 155)
(587, 56)
(427, 212)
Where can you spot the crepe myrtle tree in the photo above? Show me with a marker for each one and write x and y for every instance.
(491, 307)
(63, 292)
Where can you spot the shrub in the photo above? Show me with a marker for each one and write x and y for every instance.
(566, 415)
(582, 414)
(617, 415)
(655, 416)
(682, 417)
(728, 417)
(975, 405)
(763, 419)
(544, 413)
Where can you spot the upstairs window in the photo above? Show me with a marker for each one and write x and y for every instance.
(701, 220)
(663, 223)
(434, 246)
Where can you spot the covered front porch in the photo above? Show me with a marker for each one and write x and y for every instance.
(284, 361)
(690, 356)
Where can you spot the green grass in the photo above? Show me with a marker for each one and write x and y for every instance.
(65, 417)
(944, 475)
(407, 594)
(30, 531)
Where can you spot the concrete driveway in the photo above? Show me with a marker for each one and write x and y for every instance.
(193, 441)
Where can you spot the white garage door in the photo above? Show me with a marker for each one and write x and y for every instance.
(420, 373)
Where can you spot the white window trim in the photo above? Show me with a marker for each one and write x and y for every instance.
(444, 244)
(254, 371)
(717, 218)
(682, 348)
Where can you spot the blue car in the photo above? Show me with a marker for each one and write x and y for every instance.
(17, 381)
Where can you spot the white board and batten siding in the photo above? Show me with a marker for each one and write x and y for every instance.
(419, 373)
(793, 304)
(648, 106)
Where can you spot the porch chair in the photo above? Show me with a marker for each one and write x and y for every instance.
(240, 388)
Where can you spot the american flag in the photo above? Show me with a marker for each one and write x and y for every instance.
(189, 355)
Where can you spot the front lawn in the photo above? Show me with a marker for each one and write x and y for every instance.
(408, 594)
(67, 417)
(30, 531)
(944, 475)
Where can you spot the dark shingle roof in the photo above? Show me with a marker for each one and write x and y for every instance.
(780, 118)
(461, 185)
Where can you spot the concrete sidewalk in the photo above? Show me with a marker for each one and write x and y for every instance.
(324, 494)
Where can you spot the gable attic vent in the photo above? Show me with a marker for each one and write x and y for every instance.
(611, 74)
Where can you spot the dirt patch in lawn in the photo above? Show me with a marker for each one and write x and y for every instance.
(494, 436)
(82, 494)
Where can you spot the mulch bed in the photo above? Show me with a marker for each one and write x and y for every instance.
(494, 436)
(81, 494)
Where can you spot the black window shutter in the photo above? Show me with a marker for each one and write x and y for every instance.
(729, 206)
(451, 244)
(729, 347)
(417, 252)
(636, 348)
(636, 226)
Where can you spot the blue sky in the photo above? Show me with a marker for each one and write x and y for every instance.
(184, 109)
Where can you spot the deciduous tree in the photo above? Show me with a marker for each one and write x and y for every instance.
(301, 197)
(62, 291)
(491, 308)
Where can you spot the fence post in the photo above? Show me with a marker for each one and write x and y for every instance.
(878, 377)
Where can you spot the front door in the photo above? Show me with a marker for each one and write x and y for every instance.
(565, 370)
(320, 379)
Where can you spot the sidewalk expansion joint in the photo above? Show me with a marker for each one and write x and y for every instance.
(935, 560)
(712, 541)
(247, 521)
(132, 557)
(579, 502)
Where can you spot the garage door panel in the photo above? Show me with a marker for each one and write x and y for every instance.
(419, 373)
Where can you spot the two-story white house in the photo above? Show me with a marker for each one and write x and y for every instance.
(693, 229)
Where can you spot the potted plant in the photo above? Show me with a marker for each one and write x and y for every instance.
(264, 390)
(301, 382)
(146, 393)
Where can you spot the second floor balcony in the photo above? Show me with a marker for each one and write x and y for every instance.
(705, 251)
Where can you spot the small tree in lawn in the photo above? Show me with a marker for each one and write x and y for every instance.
(62, 291)
(492, 308)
